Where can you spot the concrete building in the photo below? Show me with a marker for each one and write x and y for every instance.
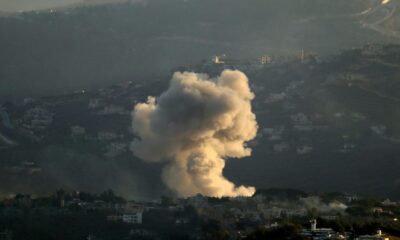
(37, 118)
(94, 103)
(378, 236)
(133, 217)
(315, 233)
(263, 60)
(275, 97)
(77, 131)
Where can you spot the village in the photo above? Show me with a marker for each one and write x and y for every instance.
(307, 215)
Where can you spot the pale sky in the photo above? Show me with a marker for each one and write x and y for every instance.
(27, 5)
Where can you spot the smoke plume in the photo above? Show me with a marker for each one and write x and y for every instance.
(194, 126)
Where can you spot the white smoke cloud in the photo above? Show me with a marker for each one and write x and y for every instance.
(315, 202)
(195, 125)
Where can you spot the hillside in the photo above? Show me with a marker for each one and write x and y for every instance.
(329, 125)
(59, 50)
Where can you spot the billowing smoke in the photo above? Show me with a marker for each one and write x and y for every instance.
(315, 202)
(195, 125)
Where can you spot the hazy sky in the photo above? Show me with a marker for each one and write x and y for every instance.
(26, 5)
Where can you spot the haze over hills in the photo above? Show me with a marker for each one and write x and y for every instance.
(329, 125)
(12, 6)
(199, 119)
(51, 52)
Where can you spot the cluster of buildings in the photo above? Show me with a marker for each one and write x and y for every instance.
(34, 122)
(377, 236)
(36, 118)
(26, 167)
(239, 216)
(302, 56)
(131, 213)
(316, 233)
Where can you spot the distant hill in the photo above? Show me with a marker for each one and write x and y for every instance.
(54, 51)
(324, 125)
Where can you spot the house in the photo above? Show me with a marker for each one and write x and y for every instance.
(219, 59)
(275, 97)
(116, 148)
(378, 236)
(133, 217)
(300, 118)
(378, 129)
(37, 118)
(274, 134)
(315, 233)
(107, 136)
(369, 237)
(77, 131)
(113, 109)
(388, 202)
(94, 103)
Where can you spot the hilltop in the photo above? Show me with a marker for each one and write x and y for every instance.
(89, 46)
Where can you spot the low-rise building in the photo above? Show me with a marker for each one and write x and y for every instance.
(315, 233)
(107, 136)
(377, 236)
(77, 131)
(133, 217)
(37, 118)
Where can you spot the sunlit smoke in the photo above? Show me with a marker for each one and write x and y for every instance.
(194, 126)
(385, 1)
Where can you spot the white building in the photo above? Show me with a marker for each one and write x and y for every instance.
(321, 233)
(94, 103)
(37, 118)
(219, 59)
(264, 59)
(116, 148)
(378, 236)
(77, 131)
(113, 109)
(379, 129)
(275, 97)
(369, 237)
(107, 136)
(133, 218)
(274, 134)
